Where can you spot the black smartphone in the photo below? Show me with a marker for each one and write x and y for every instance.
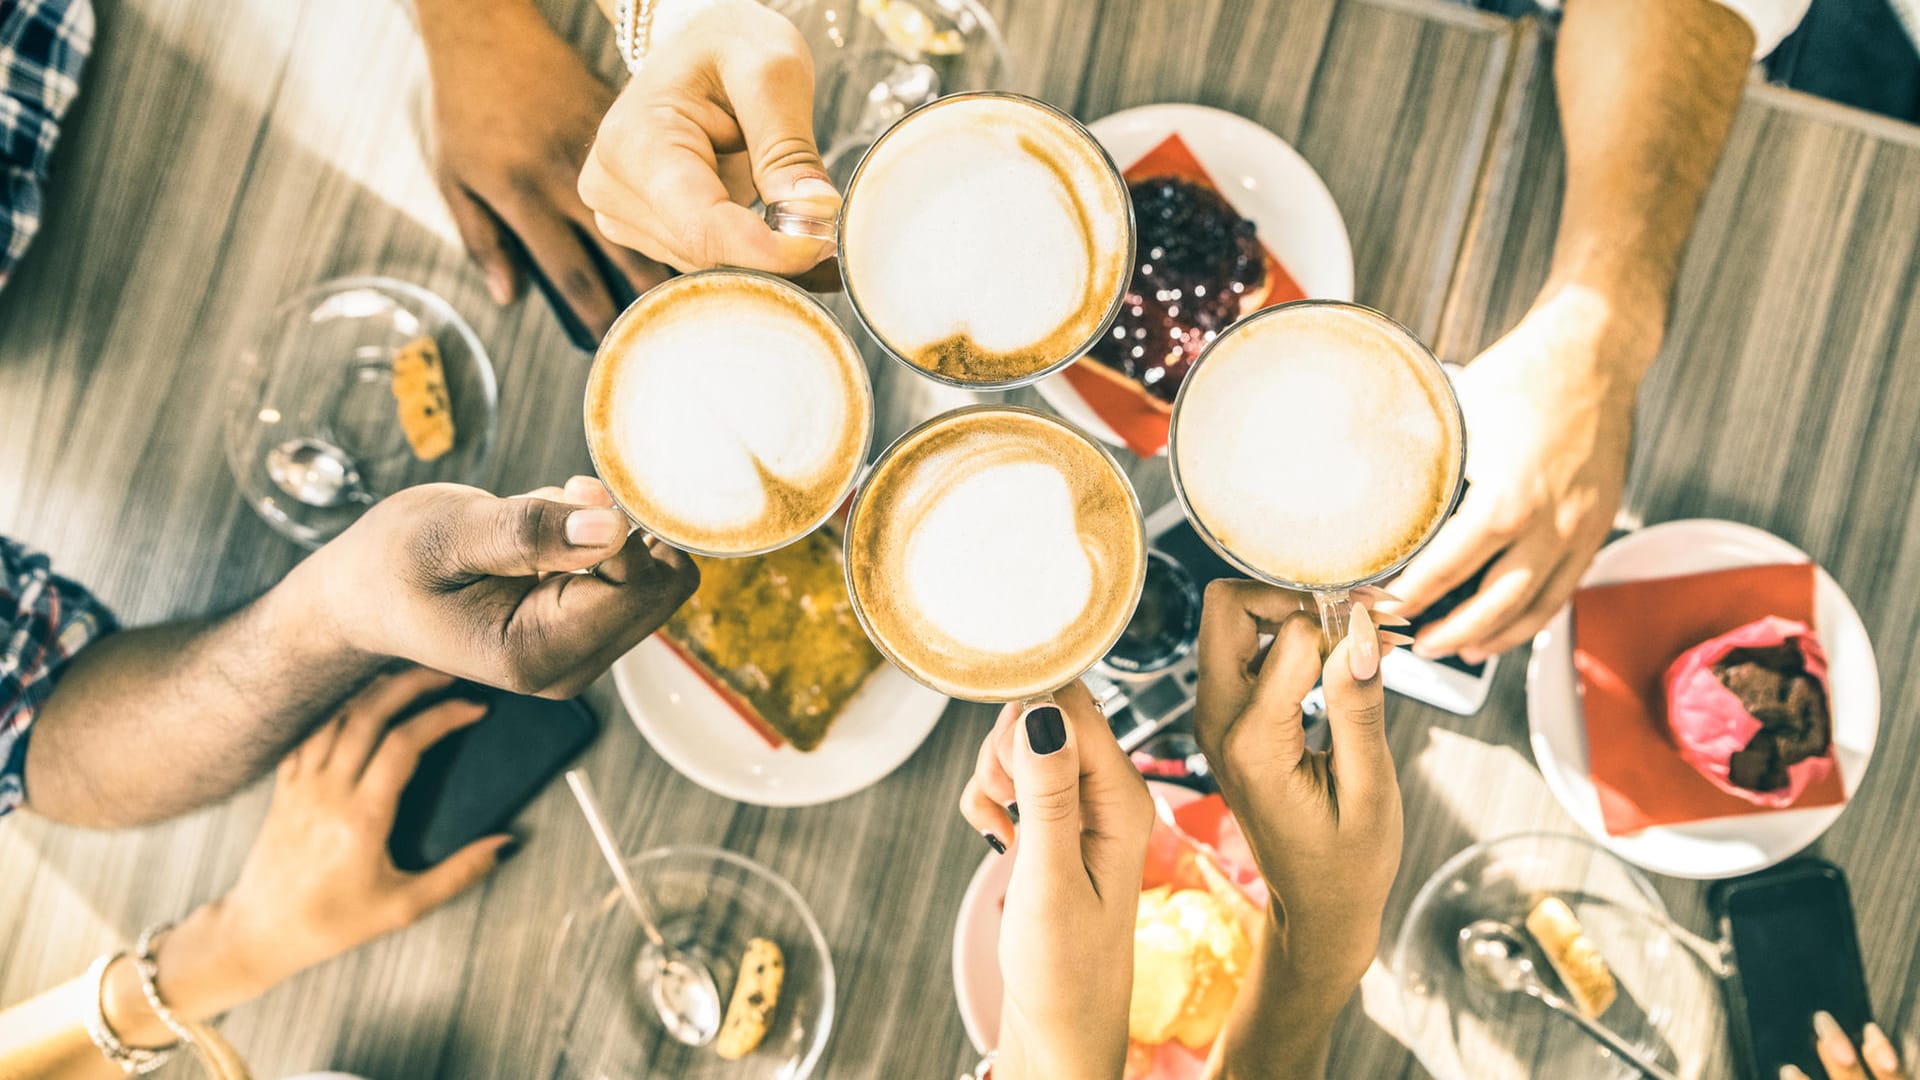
(472, 783)
(1795, 951)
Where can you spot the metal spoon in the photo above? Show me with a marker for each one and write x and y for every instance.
(680, 986)
(1494, 955)
(316, 473)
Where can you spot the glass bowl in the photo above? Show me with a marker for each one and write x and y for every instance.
(709, 902)
(315, 387)
(1668, 1006)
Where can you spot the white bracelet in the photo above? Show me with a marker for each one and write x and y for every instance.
(149, 968)
(132, 1060)
(633, 30)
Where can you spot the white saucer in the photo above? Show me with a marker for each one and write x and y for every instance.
(1722, 847)
(976, 936)
(1266, 180)
(700, 735)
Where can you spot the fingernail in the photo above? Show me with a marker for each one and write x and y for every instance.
(1791, 1072)
(500, 285)
(813, 187)
(994, 843)
(1472, 656)
(1833, 1040)
(1879, 1051)
(1046, 729)
(1425, 649)
(1390, 638)
(1013, 812)
(1378, 593)
(1363, 644)
(1386, 618)
(595, 527)
(507, 850)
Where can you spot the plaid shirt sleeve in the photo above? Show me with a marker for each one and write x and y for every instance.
(43, 46)
(44, 620)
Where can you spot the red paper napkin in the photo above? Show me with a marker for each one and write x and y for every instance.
(1140, 419)
(1624, 636)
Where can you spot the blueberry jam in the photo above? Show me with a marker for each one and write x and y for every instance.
(1196, 259)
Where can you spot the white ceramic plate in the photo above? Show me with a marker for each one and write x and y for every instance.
(699, 734)
(976, 936)
(1723, 847)
(1266, 180)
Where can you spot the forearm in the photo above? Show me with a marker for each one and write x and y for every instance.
(1281, 1026)
(152, 722)
(1647, 92)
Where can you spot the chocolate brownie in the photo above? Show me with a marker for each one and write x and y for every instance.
(1774, 687)
(1196, 261)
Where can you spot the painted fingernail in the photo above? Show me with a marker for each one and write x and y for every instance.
(1046, 729)
(994, 843)
(1833, 1040)
(1879, 1052)
(1363, 644)
(1791, 1072)
(1378, 593)
(595, 527)
(1387, 618)
(500, 285)
(507, 850)
(1013, 812)
(1389, 638)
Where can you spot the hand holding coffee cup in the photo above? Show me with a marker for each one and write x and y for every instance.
(1317, 446)
(986, 239)
(720, 117)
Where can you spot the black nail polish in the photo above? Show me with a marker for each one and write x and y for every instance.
(1013, 812)
(1046, 729)
(507, 851)
(994, 843)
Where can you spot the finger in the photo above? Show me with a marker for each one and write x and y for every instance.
(1046, 783)
(560, 252)
(641, 272)
(1546, 604)
(398, 754)
(1463, 545)
(572, 627)
(587, 491)
(772, 96)
(987, 816)
(1116, 811)
(481, 233)
(990, 773)
(523, 537)
(1231, 621)
(551, 493)
(312, 749)
(1356, 716)
(366, 717)
(1835, 1049)
(1879, 1052)
(1512, 581)
(1267, 738)
(457, 872)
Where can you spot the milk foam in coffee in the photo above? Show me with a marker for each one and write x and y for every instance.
(995, 554)
(987, 239)
(728, 413)
(1317, 443)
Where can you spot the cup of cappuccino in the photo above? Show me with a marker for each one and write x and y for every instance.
(728, 412)
(995, 553)
(1318, 446)
(985, 240)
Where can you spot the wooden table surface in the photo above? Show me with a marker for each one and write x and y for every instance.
(228, 152)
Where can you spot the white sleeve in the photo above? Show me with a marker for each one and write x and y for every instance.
(1772, 20)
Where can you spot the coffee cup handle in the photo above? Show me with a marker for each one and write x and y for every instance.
(793, 217)
(1335, 611)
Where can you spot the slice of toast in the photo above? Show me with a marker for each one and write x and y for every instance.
(1574, 956)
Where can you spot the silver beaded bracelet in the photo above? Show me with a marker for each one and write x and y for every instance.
(633, 30)
(132, 1060)
(148, 966)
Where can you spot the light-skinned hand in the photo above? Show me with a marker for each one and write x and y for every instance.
(1876, 1059)
(720, 116)
(1549, 417)
(1066, 932)
(488, 588)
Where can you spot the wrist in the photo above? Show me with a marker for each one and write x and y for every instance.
(314, 612)
(1030, 1052)
(203, 970)
(1607, 338)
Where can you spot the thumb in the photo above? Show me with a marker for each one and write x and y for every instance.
(772, 97)
(1046, 784)
(457, 872)
(522, 537)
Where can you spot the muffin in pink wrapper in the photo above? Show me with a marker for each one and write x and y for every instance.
(1748, 710)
